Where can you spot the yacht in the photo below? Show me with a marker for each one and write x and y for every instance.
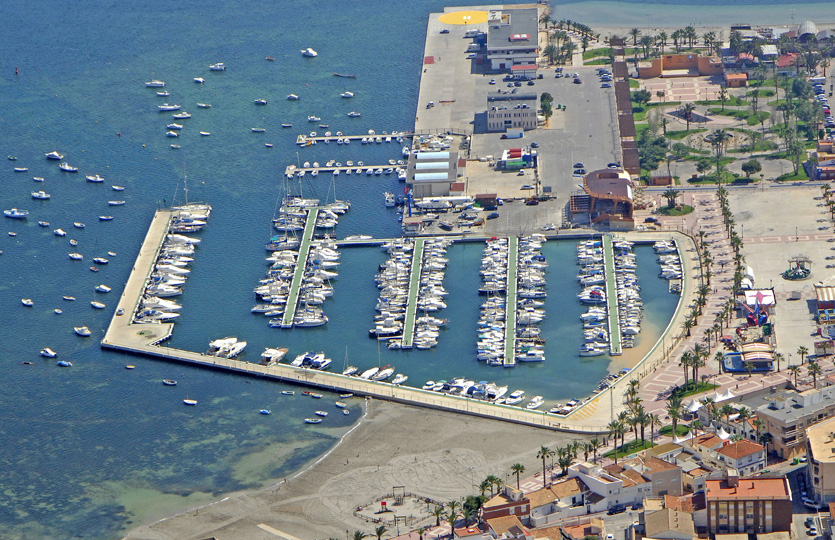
(260, 101)
(48, 353)
(293, 97)
(399, 379)
(154, 84)
(59, 232)
(199, 80)
(172, 134)
(166, 107)
(346, 94)
(535, 403)
(82, 331)
(181, 116)
(54, 155)
(14, 213)
(94, 178)
(354, 114)
(174, 126)
(310, 53)
(66, 167)
(41, 195)
(217, 67)
(272, 356)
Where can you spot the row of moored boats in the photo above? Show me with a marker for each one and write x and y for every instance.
(668, 259)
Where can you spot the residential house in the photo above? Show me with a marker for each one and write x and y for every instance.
(509, 502)
(749, 505)
(747, 457)
(669, 524)
(509, 528)
(557, 501)
(820, 469)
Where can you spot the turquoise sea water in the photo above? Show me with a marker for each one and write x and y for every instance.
(93, 450)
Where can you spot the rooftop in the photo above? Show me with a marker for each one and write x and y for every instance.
(748, 488)
(560, 490)
(821, 441)
(787, 405)
(504, 524)
(740, 449)
(606, 182)
(669, 520)
(507, 28)
(662, 449)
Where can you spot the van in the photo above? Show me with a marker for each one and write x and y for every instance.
(471, 33)
(817, 80)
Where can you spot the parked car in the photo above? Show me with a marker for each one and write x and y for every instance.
(651, 220)
(534, 144)
(492, 215)
(812, 531)
(445, 31)
(521, 173)
(492, 81)
(530, 83)
(558, 76)
(613, 165)
(532, 202)
(616, 509)
(517, 83)
(810, 521)
(579, 171)
(579, 165)
(470, 56)
(577, 81)
(605, 85)
(526, 187)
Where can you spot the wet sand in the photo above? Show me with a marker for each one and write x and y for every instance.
(429, 452)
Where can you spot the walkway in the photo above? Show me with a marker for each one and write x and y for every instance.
(510, 302)
(301, 264)
(414, 286)
(611, 297)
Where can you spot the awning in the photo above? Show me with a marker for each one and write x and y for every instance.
(765, 297)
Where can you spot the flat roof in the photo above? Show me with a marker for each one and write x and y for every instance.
(821, 441)
(514, 22)
(748, 488)
(605, 182)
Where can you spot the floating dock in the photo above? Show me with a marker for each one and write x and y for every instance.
(301, 264)
(292, 170)
(511, 302)
(611, 297)
(414, 286)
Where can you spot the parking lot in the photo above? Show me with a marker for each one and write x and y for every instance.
(585, 132)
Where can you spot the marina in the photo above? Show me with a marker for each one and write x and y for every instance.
(511, 303)
(414, 285)
(287, 320)
(313, 138)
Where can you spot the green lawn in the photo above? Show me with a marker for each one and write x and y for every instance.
(692, 388)
(633, 83)
(730, 102)
(790, 176)
(594, 53)
(629, 448)
(681, 210)
(744, 114)
(597, 62)
(764, 92)
(681, 430)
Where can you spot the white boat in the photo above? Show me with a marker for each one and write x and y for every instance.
(82, 331)
(199, 80)
(383, 374)
(118, 188)
(399, 379)
(535, 403)
(174, 126)
(310, 53)
(346, 94)
(181, 116)
(354, 114)
(292, 97)
(97, 305)
(592, 349)
(273, 355)
(367, 374)
(14, 213)
(37, 178)
(166, 107)
(205, 133)
(258, 130)
(103, 289)
(172, 134)
(390, 199)
(78, 225)
(260, 101)
(48, 353)
(313, 119)
(54, 155)
(41, 195)
(205, 105)
(164, 93)
(59, 232)
(116, 203)
(96, 179)
(27, 302)
(154, 84)
(321, 413)
(312, 420)
(217, 67)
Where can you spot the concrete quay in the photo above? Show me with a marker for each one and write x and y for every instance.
(414, 287)
(510, 304)
(612, 311)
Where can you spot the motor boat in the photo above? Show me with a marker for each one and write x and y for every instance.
(199, 80)
(54, 155)
(217, 67)
(354, 114)
(154, 84)
(260, 101)
(82, 331)
(66, 167)
(346, 95)
(166, 107)
(103, 289)
(15, 213)
(96, 179)
(293, 97)
(313, 119)
(205, 105)
(48, 353)
(310, 53)
(181, 116)
(174, 126)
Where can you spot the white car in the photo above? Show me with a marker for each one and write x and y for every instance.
(470, 56)
(492, 81)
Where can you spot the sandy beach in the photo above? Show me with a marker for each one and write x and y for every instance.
(431, 453)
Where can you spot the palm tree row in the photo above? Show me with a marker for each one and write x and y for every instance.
(634, 417)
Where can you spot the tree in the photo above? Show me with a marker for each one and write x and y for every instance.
(794, 370)
(484, 486)
(595, 444)
(641, 97)
(616, 430)
(551, 52)
(517, 469)
(469, 514)
(654, 420)
(547, 110)
(723, 96)
(814, 370)
(380, 531)
(635, 33)
(543, 454)
(802, 351)
(765, 440)
(687, 112)
(437, 512)
(546, 98)
(451, 518)
(359, 535)
(752, 166)
(680, 150)
(564, 461)
(749, 367)
(778, 357)
(674, 410)
(671, 195)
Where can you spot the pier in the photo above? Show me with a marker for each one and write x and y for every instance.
(394, 136)
(511, 303)
(293, 170)
(414, 286)
(611, 297)
(301, 264)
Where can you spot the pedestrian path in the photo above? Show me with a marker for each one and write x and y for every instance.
(414, 285)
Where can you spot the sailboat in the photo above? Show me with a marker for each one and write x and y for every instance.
(190, 217)
(346, 369)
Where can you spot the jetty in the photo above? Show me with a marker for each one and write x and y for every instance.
(414, 286)
(611, 297)
(394, 136)
(293, 170)
(301, 264)
(511, 303)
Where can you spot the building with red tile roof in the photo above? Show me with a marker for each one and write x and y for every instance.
(748, 505)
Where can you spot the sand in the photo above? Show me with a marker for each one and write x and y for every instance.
(431, 453)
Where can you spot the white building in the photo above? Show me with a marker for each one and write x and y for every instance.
(503, 117)
(513, 40)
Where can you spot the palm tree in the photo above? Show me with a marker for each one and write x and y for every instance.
(726, 411)
(695, 426)
(671, 195)
(794, 370)
(814, 370)
(517, 469)
(452, 517)
(674, 411)
(484, 486)
(778, 357)
(595, 444)
(437, 512)
(802, 351)
(616, 430)
(685, 362)
(494, 482)
(551, 52)
(687, 111)
(359, 535)
(543, 454)
(654, 420)
(723, 96)
(662, 40)
(765, 439)
(380, 531)
(469, 513)
(420, 532)
(635, 33)
(643, 418)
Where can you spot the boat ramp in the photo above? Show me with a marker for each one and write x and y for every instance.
(611, 297)
(301, 264)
